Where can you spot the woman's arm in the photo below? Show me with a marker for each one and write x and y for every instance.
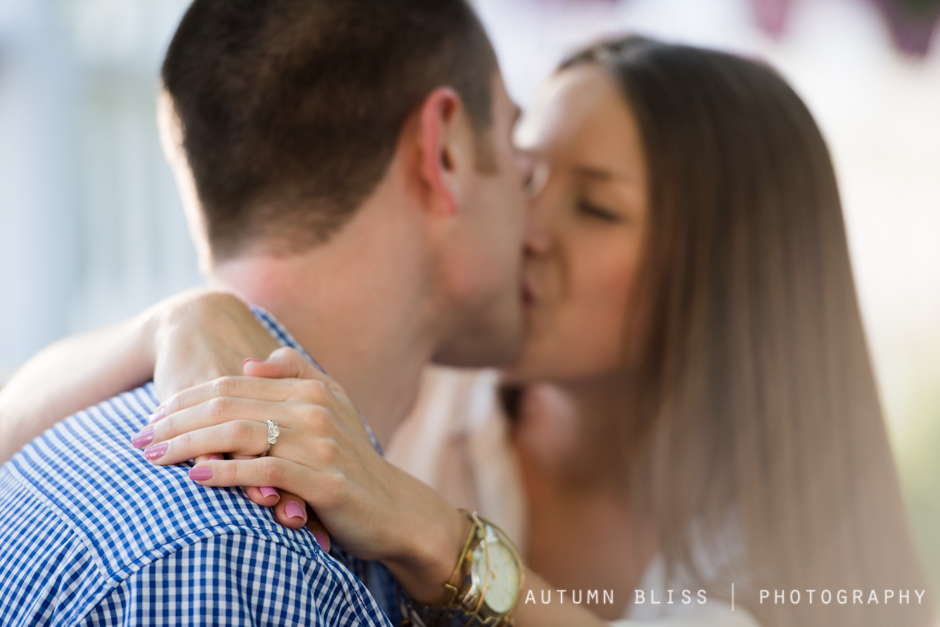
(72, 374)
(198, 335)
(324, 455)
(185, 340)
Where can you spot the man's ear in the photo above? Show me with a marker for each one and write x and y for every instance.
(443, 135)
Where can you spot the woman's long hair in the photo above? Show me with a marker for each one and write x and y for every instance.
(758, 434)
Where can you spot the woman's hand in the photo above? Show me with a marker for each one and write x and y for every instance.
(201, 335)
(190, 338)
(324, 455)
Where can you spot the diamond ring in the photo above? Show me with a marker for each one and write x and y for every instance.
(273, 432)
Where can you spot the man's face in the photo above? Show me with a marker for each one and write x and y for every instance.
(486, 265)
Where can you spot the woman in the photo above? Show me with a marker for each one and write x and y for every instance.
(694, 406)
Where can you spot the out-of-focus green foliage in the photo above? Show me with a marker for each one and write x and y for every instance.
(919, 465)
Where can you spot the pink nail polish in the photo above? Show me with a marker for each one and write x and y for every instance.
(268, 491)
(157, 415)
(321, 540)
(143, 438)
(293, 510)
(156, 451)
(215, 458)
(202, 473)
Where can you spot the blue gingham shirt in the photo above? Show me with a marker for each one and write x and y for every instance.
(93, 534)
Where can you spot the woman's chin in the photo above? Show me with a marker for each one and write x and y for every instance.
(517, 373)
(538, 361)
(526, 370)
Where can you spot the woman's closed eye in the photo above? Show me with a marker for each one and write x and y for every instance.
(599, 212)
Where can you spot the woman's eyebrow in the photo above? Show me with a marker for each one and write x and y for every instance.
(600, 174)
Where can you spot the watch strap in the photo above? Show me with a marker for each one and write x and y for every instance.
(460, 605)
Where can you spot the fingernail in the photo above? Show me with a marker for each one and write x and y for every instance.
(156, 451)
(143, 438)
(268, 491)
(157, 415)
(321, 540)
(215, 458)
(293, 510)
(255, 360)
(200, 473)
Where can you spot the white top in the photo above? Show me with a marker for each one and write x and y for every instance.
(457, 441)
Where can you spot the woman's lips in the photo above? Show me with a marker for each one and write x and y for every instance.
(528, 294)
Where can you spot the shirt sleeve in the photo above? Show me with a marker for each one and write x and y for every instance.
(238, 580)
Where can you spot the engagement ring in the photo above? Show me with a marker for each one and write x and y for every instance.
(273, 432)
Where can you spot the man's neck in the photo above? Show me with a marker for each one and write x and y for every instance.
(359, 315)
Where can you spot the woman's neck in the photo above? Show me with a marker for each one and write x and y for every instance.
(574, 433)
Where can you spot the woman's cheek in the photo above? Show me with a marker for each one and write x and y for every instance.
(607, 312)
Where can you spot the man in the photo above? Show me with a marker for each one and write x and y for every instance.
(347, 167)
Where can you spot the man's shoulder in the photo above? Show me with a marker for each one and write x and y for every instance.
(128, 511)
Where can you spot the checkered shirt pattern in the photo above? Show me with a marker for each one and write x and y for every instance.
(93, 534)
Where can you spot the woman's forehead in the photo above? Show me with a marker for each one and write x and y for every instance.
(581, 121)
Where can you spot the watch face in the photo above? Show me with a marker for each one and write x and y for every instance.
(503, 584)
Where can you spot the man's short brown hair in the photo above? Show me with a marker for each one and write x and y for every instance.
(291, 109)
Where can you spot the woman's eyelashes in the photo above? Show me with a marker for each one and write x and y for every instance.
(593, 210)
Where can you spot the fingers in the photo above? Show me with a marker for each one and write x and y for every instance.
(266, 471)
(214, 412)
(242, 437)
(289, 363)
(265, 369)
(265, 496)
(237, 426)
(280, 365)
(291, 511)
(233, 387)
(319, 531)
(319, 389)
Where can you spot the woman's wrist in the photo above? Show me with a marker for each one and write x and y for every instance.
(148, 324)
(199, 336)
(431, 544)
(197, 308)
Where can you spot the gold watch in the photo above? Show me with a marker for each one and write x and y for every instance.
(485, 585)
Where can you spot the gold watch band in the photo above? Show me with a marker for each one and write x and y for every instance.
(462, 605)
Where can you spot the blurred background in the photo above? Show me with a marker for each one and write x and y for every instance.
(91, 229)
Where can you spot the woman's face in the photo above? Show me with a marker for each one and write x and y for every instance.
(589, 212)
